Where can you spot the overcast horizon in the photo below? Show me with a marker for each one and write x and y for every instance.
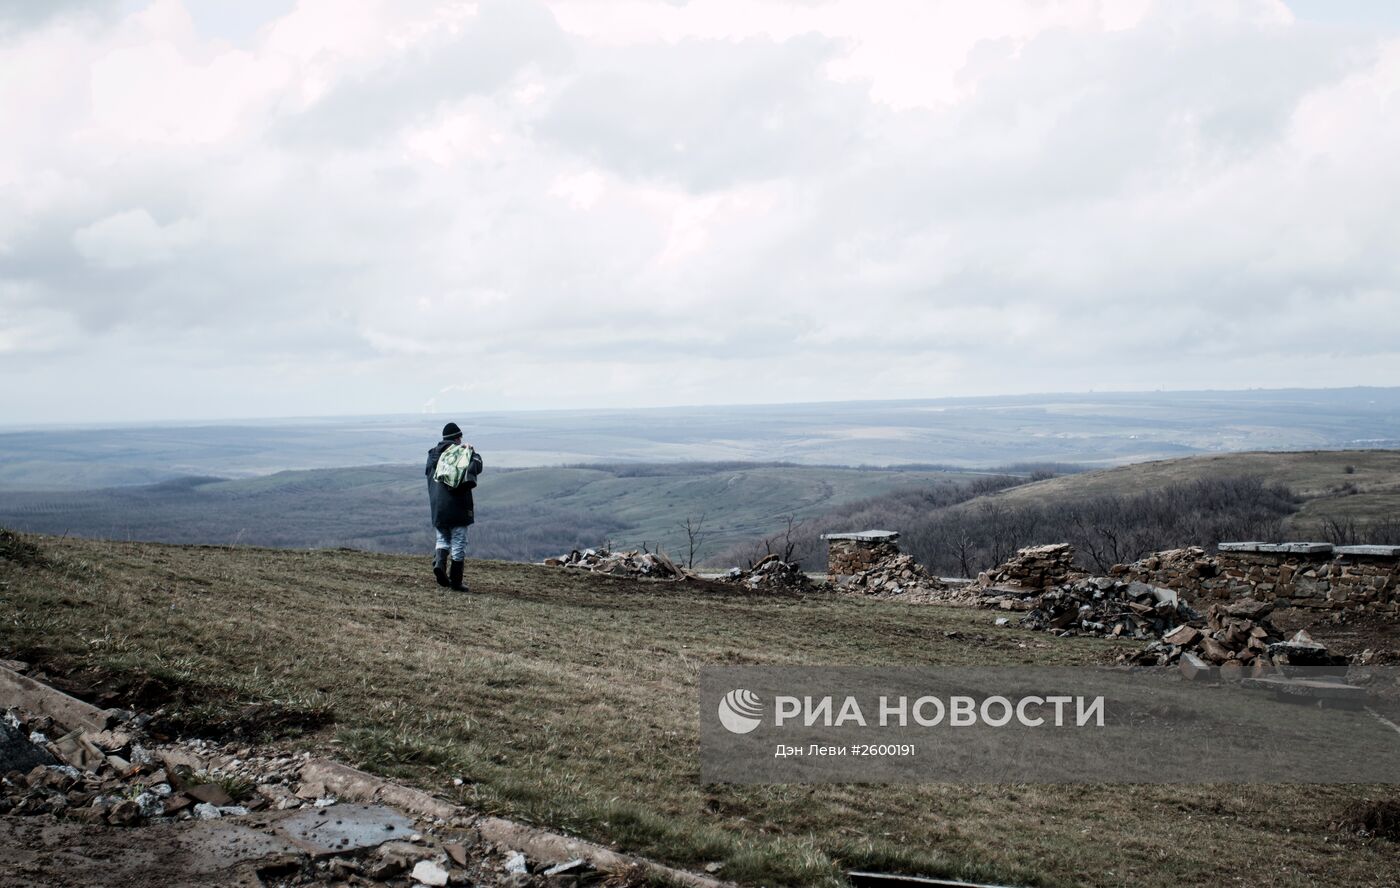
(304, 208)
(467, 415)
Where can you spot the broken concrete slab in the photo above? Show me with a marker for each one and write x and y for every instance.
(344, 828)
(1368, 551)
(356, 785)
(864, 536)
(78, 750)
(544, 845)
(1297, 548)
(23, 692)
(1252, 546)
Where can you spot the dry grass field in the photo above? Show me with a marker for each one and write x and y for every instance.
(1360, 485)
(568, 700)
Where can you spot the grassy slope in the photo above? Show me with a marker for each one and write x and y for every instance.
(568, 699)
(1371, 492)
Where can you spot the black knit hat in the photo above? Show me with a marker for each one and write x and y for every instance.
(451, 431)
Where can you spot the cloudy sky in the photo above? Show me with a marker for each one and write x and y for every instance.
(307, 207)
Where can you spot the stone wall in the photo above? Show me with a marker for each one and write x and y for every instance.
(846, 557)
(1317, 576)
(1034, 567)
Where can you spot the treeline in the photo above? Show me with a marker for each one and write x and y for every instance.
(954, 536)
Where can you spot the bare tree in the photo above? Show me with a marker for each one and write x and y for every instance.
(786, 540)
(695, 536)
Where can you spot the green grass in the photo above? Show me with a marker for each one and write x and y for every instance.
(567, 699)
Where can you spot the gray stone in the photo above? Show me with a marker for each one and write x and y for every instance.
(1240, 547)
(516, 863)
(429, 872)
(567, 866)
(1194, 668)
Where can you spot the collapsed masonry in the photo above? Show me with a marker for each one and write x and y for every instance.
(869, 562)
(771, 574)
(1035, 567)
(1315, 576)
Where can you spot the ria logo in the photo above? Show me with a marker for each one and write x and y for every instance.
(740, 711)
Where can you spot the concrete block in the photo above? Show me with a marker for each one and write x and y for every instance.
(1369, 551)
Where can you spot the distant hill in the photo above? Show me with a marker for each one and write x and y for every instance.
(523, 514)
(1357, 486)
(1088, 429)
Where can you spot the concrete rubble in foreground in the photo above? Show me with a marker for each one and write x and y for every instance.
(100, 803)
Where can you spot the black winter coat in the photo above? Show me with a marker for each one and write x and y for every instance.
(451, 506)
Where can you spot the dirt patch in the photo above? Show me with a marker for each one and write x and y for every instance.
(179, 707)
(1344, 632)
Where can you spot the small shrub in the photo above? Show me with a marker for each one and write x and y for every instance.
(14, 547)
(1374, 817)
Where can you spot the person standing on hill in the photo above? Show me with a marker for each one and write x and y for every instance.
(452, 469)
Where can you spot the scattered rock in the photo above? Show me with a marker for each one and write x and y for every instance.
(771, 574)
(516, 863)
(428, 872)
(568, 866)
(622, 564)
(1096, 606)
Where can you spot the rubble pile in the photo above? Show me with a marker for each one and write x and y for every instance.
(1186, 568)
(771, 574)
(1098, 606)
(109, 777)
(896, 575)
(1035, 567)
(298, 833)
(621, 564)
(1237, 640)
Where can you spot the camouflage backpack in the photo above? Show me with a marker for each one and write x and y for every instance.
(453, 466)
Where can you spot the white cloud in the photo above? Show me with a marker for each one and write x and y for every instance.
(132, 238)
(612, 202)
